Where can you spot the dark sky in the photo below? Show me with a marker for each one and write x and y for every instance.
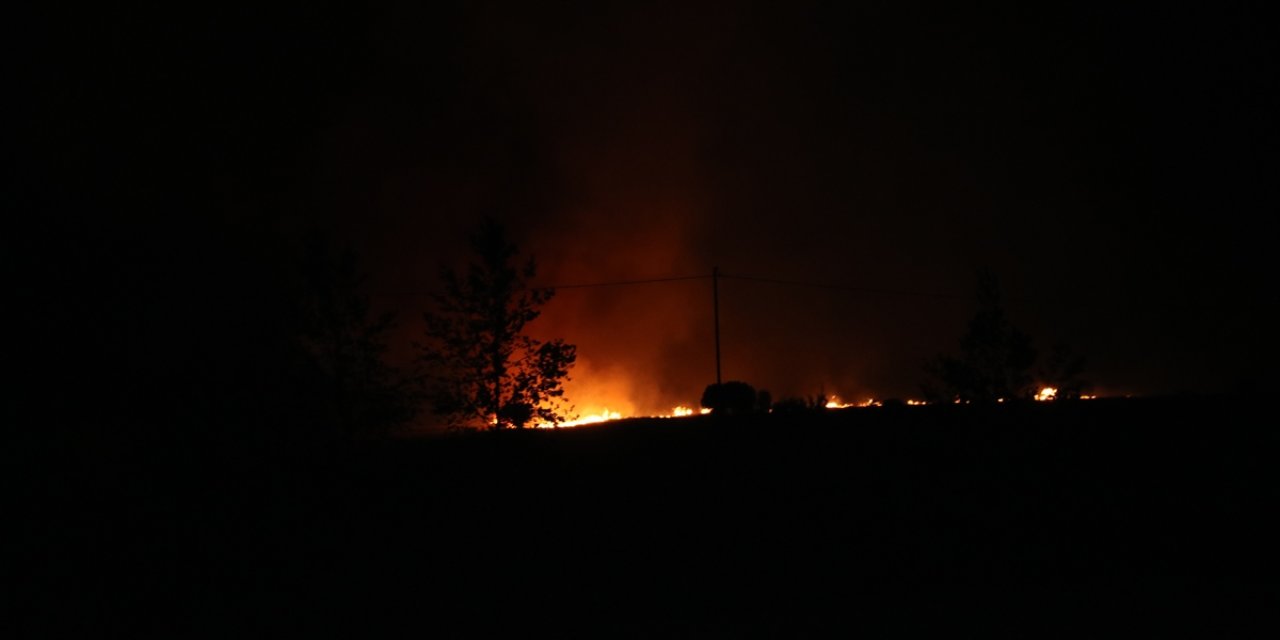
(1113, 166)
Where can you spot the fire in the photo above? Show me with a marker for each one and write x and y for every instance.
(607, 415)
(683, 411)
(835, 403)
(603, 416)
(1046, 394)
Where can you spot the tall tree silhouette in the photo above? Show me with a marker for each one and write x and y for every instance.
(481, 369)
(995, 358)
(346, 344)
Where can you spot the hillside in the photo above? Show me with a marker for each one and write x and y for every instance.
(1022, 518)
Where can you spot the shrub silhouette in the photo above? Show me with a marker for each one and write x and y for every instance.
(793, 404)
(733, 397)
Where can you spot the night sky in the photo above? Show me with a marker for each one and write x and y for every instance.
(1114, 167)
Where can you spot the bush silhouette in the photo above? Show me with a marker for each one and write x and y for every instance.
(806, 404)
(734, 397)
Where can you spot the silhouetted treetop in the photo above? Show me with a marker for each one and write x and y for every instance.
(995, 357)
(347, 344)
(481, 369)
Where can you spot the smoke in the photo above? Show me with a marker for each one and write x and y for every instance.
(612, 106)
(643, 143)
(653, 144)
(635, 215)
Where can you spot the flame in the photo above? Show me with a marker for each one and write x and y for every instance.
(1045, 394)
(606, 415)
(836, 403)
(603, 416)
(683, 411)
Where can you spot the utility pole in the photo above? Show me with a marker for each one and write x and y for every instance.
(715, 305)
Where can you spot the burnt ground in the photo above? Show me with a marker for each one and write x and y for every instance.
(1125, 515)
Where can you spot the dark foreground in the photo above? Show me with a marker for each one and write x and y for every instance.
(1125, 516)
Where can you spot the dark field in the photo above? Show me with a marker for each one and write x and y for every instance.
(1108, 516)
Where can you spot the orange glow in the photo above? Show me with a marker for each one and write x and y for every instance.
(607, 415)
(603, 416)
(835, 403)
(1046, 394)
(682, 411)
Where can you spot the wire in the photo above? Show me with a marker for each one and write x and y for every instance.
(1075, 303)
(838, 287)
(621, 282)
(576, 285)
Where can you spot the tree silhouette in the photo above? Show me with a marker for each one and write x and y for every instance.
(346, 344)
(480, 368)
(995, 357)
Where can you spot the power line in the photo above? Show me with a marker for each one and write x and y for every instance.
(615, 283)
(1056, 301)
(575, 285)
(812, 284)
(851, 289)
(801, 283)
(715, 300)
(1078, 303)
